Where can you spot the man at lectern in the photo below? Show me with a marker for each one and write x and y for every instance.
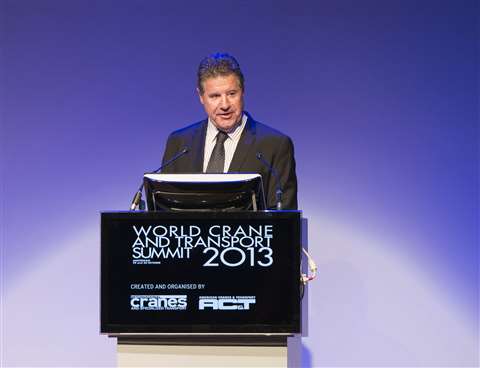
(230, 140)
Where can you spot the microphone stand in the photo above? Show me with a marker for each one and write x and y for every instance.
(137, 199)
(278, 191)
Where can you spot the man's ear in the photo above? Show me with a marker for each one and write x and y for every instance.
(200, 95)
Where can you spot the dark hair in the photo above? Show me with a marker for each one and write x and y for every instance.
(219, 64)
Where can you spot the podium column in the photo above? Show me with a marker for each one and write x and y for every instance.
(210, 352)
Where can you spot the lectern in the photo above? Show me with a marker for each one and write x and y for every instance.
(201, 288)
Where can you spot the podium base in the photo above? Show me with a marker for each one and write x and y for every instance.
(209, 352)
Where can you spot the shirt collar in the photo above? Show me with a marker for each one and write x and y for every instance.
(212, 130)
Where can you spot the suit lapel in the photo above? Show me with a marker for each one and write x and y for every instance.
(198, 147)
(244, 146)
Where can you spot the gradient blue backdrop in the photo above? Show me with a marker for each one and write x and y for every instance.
(380, 98)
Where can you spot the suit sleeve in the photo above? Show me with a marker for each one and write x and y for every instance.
(284, 163)
(171, 149)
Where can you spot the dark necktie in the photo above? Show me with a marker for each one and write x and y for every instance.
(217, 159)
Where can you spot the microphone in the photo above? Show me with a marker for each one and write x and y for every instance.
(278, 191)
(138, 196)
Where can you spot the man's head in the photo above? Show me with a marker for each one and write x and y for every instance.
(220, 86)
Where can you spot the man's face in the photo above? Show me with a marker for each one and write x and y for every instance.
(222, 100)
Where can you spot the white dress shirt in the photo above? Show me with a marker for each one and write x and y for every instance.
(230, 144)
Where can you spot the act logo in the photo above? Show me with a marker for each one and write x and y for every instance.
(226, 302)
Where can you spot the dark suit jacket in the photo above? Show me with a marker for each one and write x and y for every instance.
(276, 148)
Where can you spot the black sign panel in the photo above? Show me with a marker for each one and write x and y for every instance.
(212, 272)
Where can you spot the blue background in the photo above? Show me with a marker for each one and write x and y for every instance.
(380, 98)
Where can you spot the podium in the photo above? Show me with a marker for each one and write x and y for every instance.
(206, 289)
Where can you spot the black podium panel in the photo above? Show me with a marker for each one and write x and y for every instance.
(214, 272)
